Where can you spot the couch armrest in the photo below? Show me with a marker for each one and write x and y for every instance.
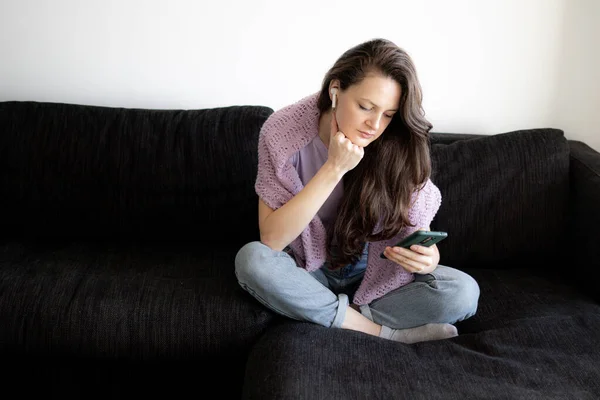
(583, 254)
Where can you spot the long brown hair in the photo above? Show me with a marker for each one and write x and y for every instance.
(379, 189)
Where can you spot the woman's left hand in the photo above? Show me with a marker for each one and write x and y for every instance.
(418, 259)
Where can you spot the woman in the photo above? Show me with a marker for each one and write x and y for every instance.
(343, 175)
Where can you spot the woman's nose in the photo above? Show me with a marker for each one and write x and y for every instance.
(374, 122)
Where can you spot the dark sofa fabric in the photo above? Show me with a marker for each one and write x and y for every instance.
(504, 199)
(583, 245)
(124, 301)
(531, 339)
(73, 377)
(87, 172)
(118, 235)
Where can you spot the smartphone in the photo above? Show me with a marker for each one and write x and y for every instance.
(421, 238)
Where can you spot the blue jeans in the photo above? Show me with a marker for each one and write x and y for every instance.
(446, 295)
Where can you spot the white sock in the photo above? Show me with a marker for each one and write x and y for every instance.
(421, 333)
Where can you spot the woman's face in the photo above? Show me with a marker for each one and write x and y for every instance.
(364, 110)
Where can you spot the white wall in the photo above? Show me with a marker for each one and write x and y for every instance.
(577, 107)
(485, 66)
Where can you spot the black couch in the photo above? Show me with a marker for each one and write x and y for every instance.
(119, 229)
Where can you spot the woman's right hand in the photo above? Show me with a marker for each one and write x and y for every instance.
(343, 154)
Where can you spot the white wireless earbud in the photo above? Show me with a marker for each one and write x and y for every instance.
(333, 97)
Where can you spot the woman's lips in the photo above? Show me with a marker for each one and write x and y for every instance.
(366, 135)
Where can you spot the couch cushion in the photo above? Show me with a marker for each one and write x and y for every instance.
(531, 339)
(77, 171)
(128, 302)
(510, 295)
(504, 199)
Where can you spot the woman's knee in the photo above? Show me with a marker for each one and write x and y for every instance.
(466, 296)
(249, 259)
(256, 263)
(461, 295)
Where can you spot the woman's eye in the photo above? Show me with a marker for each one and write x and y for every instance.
(389, 116)
(363, 108)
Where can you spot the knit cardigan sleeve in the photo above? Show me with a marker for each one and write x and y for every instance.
(282, 135)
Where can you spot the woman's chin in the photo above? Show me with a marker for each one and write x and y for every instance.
(361, 141)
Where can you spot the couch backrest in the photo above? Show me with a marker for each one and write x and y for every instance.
(78, 171)
(504, 198)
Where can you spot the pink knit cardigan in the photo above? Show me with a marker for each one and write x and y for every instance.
(284, 133)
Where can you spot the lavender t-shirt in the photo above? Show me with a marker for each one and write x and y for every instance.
(307, 162)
